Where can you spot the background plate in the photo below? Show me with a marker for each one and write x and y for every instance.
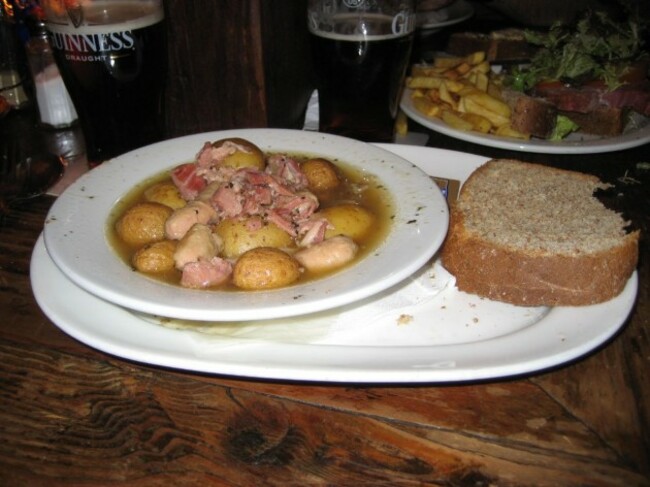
(635, 134)
(435, 20)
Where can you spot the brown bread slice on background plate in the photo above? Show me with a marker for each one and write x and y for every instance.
(533, 235)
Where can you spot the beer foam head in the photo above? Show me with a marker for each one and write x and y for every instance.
(367, 27)
(103, 17)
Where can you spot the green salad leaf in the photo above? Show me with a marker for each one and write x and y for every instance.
(595, 47)
(563, 127)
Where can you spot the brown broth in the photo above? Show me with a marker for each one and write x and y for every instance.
(374, 197)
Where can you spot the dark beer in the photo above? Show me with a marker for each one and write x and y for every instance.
(359, 82)
(115, 75)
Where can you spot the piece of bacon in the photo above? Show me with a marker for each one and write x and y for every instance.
(206, 273)
(288, 170)
(209, 155)
(281, 220)
(312, 231)
(302, 205)
(204, 156)
(227, 202)
(188, 182)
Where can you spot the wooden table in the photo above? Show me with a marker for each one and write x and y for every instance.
(71, 415)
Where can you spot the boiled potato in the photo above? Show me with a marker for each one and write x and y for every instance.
(166, 194)
(238, 237)
(321, 174)
(265, 268)
(143, 223)
(252, 157)
(155, 257)
(350, 220)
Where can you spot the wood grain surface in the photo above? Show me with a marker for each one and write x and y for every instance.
(70, 415)
(236, 64)
(73, 416)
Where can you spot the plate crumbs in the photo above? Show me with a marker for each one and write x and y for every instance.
(404, 319)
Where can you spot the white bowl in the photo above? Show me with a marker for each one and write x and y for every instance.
(76, 232)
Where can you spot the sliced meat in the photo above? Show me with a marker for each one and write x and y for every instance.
(204, 156)
(227, 202)
(282, 220)
(188, 182)
(209, 155)
(568, 98)
(288, 170)
(199, 243)
(602, 121)
(327, 255)
(633, 96)
(594, 96)
(300, 205)
(312, 231)
(206, 273)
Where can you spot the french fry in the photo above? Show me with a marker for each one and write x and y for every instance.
(427, 82)
(475, 58)
(490, 103)
(451, 62)
(427, 107)
(401, 123)
(461, 105)
(463, 93)
(463, 68)
(482, 67)
(419, 70)
(446, 96)
(496, 119)
(482, 81)
(434, 96)
(467, 90)
(508, 131)
(447, 62)
(494, 90)
(455, 121)
(479, 123)
(453, 86)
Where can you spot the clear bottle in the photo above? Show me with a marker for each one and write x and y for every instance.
(54, 104)
(12, 78)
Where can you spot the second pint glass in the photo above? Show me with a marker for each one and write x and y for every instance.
(112, 55)
(361, 51)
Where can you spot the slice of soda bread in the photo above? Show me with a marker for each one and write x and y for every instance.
(533, 235)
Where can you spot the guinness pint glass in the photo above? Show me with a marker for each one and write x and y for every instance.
(361, 51)
(112, 56)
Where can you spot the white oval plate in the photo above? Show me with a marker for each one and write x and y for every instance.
(435, 20)
(635, 134)
(75, 231)
(419, 330)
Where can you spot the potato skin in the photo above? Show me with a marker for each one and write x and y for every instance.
(156, 257)
(265, 268)
(143, 223)
(321, 174)
(349, 220)
(166, 194)
(238, 238)
(240, 159)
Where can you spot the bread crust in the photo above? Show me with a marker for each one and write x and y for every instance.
(527, 277)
